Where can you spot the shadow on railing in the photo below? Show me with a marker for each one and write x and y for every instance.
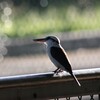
(45, 86)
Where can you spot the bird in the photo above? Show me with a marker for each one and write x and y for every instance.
(57, 55)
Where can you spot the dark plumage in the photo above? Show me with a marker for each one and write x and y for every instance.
(59, 55)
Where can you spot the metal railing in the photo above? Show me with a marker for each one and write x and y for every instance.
(45, 86)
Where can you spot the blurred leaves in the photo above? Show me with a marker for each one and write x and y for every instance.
(28, 18)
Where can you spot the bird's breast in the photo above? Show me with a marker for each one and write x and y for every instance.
(53, 60)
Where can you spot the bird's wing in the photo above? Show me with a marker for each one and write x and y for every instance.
(60, 56)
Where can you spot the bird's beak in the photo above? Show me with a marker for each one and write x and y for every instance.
(40, 40)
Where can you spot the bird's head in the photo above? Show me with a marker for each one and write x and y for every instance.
(48, 40)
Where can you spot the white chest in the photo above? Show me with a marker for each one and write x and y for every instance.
(54, 61)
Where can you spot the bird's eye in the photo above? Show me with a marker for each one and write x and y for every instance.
(55, 41)
(47, 38)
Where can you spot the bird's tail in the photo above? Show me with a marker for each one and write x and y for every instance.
(76, 79)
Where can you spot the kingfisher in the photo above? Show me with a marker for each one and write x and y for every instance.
(57, 55)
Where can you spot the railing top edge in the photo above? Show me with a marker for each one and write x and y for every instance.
(50, 74)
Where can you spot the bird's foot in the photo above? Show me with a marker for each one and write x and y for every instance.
(57, 71)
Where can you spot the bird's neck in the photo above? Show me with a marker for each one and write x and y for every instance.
(53, 45)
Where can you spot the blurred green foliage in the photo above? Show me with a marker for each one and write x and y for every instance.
(34, 17)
